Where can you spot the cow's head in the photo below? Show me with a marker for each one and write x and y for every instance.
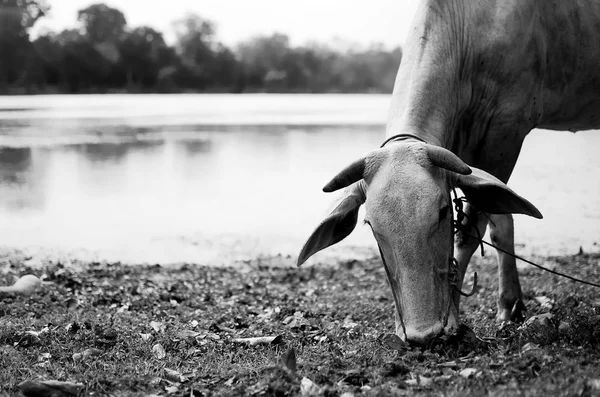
(405, 187)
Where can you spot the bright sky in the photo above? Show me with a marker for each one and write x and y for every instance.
(360, 21)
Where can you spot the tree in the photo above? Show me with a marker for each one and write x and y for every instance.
(263, 59)
(102, 23)
(143, 54)
(16, 17)
(198, 50)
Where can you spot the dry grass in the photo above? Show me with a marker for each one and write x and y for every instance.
(334, 318)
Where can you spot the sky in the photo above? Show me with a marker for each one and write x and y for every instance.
(327, 21)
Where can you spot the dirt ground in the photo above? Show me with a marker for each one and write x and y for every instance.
(143, 330)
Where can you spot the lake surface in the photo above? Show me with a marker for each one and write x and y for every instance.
(219, 178)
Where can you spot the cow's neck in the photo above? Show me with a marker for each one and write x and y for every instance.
(427, 92)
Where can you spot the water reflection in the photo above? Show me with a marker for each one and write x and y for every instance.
(213, 190)
(14, 163)
(111, 152)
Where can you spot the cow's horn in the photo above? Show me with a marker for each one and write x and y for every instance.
(446, 159)
(346, 177)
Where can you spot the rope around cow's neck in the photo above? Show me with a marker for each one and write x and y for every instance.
(464, 228)
(459, 226)
(400, 136)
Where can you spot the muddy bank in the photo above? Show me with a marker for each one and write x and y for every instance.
(181, 331)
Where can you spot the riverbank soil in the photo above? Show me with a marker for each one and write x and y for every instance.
(117, 330)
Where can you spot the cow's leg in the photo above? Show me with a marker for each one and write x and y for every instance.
(510, 298)
(466, 244)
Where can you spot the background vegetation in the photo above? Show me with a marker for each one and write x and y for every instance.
(105, 54)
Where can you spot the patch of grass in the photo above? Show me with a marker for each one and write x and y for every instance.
(172, 330)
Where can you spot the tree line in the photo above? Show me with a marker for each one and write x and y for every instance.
(107, 55)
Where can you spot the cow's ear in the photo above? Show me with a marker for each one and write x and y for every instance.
(338, 223)
(488, 194)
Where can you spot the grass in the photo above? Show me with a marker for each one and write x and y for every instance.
(170, 331)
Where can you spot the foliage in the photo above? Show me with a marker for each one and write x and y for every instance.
(107, 55)
(16, 52)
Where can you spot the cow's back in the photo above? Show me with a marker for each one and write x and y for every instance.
(472, 68)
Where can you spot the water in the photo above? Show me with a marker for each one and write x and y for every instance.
(219, 178)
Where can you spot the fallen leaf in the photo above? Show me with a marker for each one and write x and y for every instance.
(157, 326)
(49, 388)
(543, 319)
(529, 347)
(145, 337)
(545, 302)
(594, 383)
(262, 340)
(309, 388)
(187, 334)
(171, 389)
(230, 381)
(173, 376)
(393, 341)
(468, 372)
(349, 324)
(25, 285)
(420, 381)
(87, 353)
(289, 359)
(44, 357)
(159, 351)
(296, 321)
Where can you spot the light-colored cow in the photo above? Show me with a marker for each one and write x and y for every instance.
(475, 78)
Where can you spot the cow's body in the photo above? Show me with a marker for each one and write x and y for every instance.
(475, 78)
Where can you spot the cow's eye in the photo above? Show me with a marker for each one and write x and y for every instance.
(444, 212)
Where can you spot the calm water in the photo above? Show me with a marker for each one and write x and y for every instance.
(217, 178)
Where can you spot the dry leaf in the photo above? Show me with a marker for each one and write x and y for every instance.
(529, 346)
(44, 357)
(594, 383)
(468, 372)
(309, 388)
(87, 354)
(289, 360)
(419, 381)
(145, 337)
(159, 351)
(186, 334)
(157, 326)
(545, 302)
(262, 340)
(349, 324)
(229, 382)
(173, 376)
(92, 353)
(49, 388)
(393, 341)
(25, 285)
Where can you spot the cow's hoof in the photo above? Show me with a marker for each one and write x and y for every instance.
(515, 314)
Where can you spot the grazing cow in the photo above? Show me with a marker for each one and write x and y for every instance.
(475, 78)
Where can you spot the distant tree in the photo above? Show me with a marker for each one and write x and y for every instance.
(16, 52)
(263, 59)
(205, 62)
(102, 23)
(70, 60)
(144, 54)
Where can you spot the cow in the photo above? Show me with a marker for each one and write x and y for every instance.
(475, 78)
